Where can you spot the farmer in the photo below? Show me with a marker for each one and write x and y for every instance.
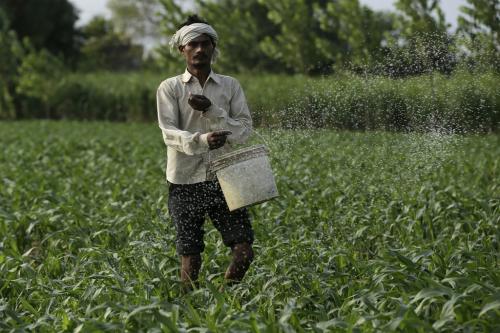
(200, 114)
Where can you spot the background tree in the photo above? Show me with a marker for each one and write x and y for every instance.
(360, 30)
(480, 27)
(317, 36)
(36, 74)
(11, 53)
(240, 47)
(104, 48)
(138, 19)
(306, 36)
(171, 15)
(26, 75)
(244, 27)
(48, 24)
(300, 44)
(421, 43)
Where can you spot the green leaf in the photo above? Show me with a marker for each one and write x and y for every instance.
(490, 306)
(29, 307)
(144, 308)
(429, 293)
(337, 323)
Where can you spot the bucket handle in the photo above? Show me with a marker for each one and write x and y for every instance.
(209, 159)
(260, 136)
(252, 130)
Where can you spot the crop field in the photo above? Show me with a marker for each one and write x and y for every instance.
(373, 231)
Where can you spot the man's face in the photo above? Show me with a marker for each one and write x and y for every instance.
(198, 52)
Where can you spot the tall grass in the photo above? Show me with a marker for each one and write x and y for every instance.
(461, 102)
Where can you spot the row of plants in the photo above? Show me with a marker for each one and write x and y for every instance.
(460, 102)
(372, 232)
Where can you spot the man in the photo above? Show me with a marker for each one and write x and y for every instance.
(201, 114)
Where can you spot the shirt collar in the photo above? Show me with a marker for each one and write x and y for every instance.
(186, 77)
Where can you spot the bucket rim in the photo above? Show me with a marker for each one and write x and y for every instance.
(256, 149)
(237, 156)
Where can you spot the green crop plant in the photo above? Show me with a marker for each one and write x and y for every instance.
(373, 231)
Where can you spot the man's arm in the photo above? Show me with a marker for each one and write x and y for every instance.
(168, 120)
(237, 119)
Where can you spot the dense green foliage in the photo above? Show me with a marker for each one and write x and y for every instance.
(480, 24)
(372, 232)
(104, 48)
(137, 19)
(306, 37)
(423, 44)
(462, 102)
(11, 52)
(319, 37)
(48, 24)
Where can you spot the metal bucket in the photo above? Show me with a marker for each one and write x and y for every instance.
(245, 176)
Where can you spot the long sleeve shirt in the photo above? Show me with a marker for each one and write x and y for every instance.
(185, 130)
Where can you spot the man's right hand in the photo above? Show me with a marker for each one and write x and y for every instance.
(217, 139)
(199, 102)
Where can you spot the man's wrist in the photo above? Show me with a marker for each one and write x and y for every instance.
(204, 139)
(207, 108)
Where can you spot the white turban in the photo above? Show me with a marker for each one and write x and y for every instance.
(189, 32)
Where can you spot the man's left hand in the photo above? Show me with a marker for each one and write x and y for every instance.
(199, 102)
(217, 139)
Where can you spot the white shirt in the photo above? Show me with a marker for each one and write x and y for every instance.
(185, 130)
